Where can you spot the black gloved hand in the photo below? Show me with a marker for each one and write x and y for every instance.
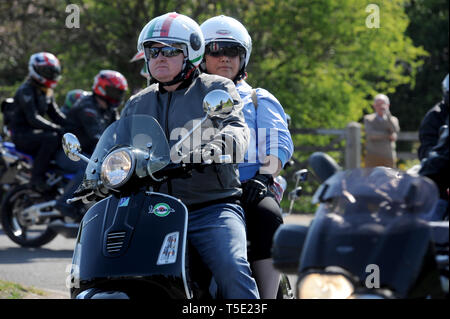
(91, 188)
(203, 154)
(255, 189)
(83, 190)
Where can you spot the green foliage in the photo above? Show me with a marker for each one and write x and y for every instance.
(317, 57)
(428, 28)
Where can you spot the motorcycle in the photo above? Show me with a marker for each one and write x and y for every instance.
(367, 240)
(15, 166)
(133, 243)
(28, 216)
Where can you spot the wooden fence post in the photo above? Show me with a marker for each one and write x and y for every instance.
(353, 145)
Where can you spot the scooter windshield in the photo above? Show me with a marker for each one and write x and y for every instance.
(377, 190)
(371, 217)
(142, 132)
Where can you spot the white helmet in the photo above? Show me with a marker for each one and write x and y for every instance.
(173, 28)
(227, 29)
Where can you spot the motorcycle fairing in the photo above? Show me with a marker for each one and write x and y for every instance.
(371, 217)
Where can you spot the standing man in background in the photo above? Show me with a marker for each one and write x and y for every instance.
(381, 134)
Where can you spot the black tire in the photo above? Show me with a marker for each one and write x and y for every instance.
(17, 199)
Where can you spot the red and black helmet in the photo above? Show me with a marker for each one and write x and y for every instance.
(45, 69)
(111, 86)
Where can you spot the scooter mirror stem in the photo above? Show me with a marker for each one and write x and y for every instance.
(184, 138)
(72, 148)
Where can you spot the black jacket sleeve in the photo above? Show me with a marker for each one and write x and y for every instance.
(429, 129)
(26, 101)
(89, 119)
(55, 113)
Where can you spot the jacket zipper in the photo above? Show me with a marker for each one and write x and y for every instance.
(169, 100)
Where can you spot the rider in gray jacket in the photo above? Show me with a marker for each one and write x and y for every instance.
(181, 109)
(174, 46)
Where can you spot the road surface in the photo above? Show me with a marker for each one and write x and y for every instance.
(45, 268)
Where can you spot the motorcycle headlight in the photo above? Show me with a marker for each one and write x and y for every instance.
(117, 168)
(324, 286)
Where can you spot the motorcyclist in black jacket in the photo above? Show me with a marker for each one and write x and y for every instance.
(31, 132)
(87, 119)
(434, 152)
(71, 98)
(432, 122)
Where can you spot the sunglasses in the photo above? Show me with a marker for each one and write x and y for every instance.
(218, 49)
(167, 52)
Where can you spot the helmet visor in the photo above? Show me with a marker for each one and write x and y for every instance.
(170, 49)
(48, 72)
(114, 93)
(225, 48)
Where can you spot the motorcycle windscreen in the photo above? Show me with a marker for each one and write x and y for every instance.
(139, 131)
(370, 217)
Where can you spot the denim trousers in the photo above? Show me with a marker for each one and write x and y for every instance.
(70, 167)
(218, 234)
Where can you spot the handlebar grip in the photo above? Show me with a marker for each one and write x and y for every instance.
(73, 200)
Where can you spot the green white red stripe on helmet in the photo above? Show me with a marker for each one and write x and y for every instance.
(172, 28)
(167, 23)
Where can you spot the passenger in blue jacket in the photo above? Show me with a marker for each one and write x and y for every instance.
(227, 52)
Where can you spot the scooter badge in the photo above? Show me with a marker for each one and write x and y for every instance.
(161, 210)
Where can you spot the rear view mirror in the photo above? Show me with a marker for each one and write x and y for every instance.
(323, 165)
(218, 103)
(71, 146)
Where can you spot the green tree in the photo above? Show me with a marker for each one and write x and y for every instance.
(317, 57)
(428, 28)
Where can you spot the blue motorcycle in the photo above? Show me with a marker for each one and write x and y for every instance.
(28, 216)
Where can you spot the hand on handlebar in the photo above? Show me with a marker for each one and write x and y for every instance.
(89, 191)
(207, 154)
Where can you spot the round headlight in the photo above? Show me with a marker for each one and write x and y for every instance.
(117, 168)
(325, 286)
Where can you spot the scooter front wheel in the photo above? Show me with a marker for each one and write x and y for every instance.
(21, 227)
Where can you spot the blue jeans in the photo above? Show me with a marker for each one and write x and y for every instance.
(70, 167)
(218, 233)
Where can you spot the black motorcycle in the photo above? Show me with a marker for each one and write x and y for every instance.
(367, 239)
(133, 243)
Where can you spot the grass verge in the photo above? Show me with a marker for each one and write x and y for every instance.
(11, 290)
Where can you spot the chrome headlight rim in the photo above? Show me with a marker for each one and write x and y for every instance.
(328, 272)
(130, 172)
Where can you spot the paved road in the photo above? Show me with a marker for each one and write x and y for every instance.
(45, 267)
(38, 267)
